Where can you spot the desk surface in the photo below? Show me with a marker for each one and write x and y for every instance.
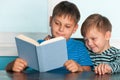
(56, 76)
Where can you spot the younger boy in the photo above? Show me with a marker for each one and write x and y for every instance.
(96, 30)
(63, 22)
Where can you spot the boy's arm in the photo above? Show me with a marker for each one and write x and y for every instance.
(112, 67)
(17, 65)
(115, 65)
(102, 69)
(47, 37)
(84, 68)
(9, 66)
(75, 67)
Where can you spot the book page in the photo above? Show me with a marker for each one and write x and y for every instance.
(52, 40)
(28, 39)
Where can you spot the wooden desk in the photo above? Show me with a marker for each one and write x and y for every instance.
(56, 76)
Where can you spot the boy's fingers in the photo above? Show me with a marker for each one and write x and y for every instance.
(48, 37)
(96, 71)
(103, 69)
(22, 61)
(100, 69)
(17, 69)
(67, 62)
(70, 66)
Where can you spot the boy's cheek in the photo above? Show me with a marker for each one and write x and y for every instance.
(88, 47)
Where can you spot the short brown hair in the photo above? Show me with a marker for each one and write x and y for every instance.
(67, 9)
(97, 21)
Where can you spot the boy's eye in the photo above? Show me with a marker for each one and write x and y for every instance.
(93, 39)
(68, 26)
(57, 23)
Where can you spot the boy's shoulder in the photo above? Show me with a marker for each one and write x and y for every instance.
(79, 40)
(115, 49)
(75, 41)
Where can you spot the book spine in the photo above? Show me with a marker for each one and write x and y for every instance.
(40, 58)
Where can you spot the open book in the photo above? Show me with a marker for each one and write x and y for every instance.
(48, 55)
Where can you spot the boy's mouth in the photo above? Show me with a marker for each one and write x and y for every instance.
(59, 34)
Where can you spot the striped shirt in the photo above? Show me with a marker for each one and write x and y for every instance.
(110, 56)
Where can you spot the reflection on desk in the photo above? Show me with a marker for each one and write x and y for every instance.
(51, 75)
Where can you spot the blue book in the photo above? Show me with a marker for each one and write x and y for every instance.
(48, 55)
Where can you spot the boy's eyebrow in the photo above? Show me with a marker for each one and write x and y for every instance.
(56, 19)
(69, 24)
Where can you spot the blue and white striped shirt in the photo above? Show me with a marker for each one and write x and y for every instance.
(110, 56)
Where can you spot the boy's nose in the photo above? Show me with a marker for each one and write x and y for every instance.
(89, 42)
(61, 28)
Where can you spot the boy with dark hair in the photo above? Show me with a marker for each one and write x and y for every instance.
(63, 22)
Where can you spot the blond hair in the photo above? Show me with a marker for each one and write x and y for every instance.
(101, 23)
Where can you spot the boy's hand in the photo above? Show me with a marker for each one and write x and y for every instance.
(48, 37)
(72, 66)
(102, 69)
(19, 65)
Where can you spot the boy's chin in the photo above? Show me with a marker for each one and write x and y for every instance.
(97, 52)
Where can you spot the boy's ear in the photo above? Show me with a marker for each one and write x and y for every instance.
(75, 28)
(108, 35)
(50, 21)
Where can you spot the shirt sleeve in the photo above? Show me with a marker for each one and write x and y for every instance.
(39, 41)
(84, 57)
(115, 65)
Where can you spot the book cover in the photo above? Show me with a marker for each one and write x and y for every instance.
(48, 55)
